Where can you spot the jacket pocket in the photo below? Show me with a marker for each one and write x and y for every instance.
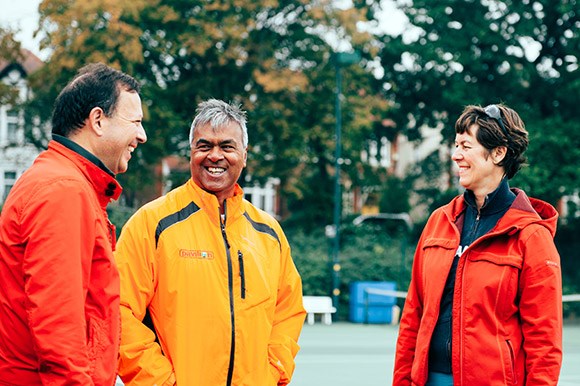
(510, 364)
(253, 274)
(494, 281)
(439, 242)
(498, 259)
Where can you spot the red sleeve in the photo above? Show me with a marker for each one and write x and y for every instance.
(541, 308)
(58, 225)
(409, 325)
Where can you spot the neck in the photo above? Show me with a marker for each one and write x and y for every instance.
(482, 194)
(486, 187)
(480, 200)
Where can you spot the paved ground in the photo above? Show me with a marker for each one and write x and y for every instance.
(345, 354)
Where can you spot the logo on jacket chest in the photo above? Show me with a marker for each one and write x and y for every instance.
(196, 254)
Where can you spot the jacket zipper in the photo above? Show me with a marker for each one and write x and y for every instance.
(461, 329)
(231, 293)
(242, 274)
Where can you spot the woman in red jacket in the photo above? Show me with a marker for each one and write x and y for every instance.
(485, 301)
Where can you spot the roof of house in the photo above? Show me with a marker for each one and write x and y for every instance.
(27, 65)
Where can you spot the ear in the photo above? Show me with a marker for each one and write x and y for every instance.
(245, 156)
(498, 154)
(95, 120)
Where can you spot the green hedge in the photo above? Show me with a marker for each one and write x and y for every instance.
(368, 253)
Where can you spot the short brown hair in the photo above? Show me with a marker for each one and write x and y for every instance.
(95, 85)
(491, 135)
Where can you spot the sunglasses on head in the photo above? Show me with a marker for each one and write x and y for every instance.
(493, 111)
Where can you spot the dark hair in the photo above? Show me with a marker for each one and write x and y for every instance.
(95, 85)
(491, 135)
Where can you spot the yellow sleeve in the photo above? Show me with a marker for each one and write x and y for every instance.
(288, 319)
(141, 361)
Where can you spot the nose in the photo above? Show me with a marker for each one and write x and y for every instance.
(456, 155)
(141, 135)
(215, 154)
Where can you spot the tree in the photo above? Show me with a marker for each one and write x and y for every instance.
(478, 52)
(9, 53)
(271, 56)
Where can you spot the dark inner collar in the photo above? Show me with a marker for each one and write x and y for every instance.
(83, 152)
(498, 200)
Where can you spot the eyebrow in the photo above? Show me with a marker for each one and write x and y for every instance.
(462, 142)
(134, 118)
(207, 142)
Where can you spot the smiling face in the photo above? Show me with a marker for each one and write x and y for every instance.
(218, 158)
(122, 132)
(478, 169)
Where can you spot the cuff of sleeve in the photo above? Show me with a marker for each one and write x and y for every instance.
(171, 381)
(278, 372)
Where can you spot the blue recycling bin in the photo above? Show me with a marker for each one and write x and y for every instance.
(368, 305)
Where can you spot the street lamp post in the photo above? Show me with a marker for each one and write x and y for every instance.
(340, 59)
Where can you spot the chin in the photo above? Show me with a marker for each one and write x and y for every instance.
(464, 184)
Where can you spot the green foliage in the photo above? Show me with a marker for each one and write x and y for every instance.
(395, 196)
(271, 56)
(9, 53)
(310, 254)
(568, 245)
(118, 216)
(368, 253)
(481, 52)
(553, 157)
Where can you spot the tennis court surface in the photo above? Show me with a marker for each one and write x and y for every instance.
(346, 354)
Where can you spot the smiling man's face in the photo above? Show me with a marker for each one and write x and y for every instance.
(122, 132)
(218, 158)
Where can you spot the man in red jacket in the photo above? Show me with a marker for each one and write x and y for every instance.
(59, 298)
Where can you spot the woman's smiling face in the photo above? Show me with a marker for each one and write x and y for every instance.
(477, 170)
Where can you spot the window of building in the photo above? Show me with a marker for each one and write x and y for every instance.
(13, 124)
(377, 153)
(9, 180)
(263, 197)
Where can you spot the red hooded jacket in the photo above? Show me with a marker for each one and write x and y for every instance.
(507, 304)
(59, 292)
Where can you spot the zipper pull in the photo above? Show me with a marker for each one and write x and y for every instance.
(223, 227)
(242, 274)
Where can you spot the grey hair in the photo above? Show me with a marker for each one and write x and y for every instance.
(219, 113)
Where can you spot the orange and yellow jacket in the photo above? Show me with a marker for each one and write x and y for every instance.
(507, 304)
(223, 295)
(59, 286)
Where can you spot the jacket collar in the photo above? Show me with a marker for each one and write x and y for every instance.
(72, 145)
(209, 203)
(522, 212)
(102, 179)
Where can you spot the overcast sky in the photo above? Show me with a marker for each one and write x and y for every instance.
(21, 15)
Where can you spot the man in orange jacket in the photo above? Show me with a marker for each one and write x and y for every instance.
(59, 298)
(213, 272)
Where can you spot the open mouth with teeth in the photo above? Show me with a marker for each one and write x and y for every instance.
(215, 170)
